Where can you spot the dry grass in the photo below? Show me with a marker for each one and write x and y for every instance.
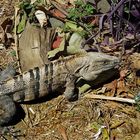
(58, 119)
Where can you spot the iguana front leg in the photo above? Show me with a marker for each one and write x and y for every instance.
(7, 111)
(71, 92)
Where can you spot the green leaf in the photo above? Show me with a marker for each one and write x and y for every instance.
(73, 26)
(95, 126)
(22, 23)
(74, 44)
(61, 47)
(25, 5)
(105, 134)
(13, 53)
(84, 88)
(80, 10)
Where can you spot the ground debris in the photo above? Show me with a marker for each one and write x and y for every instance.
(61, 120)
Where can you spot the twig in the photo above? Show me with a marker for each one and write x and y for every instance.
(126, 100)
(116, 8)
(16, 39)
(125, 39)
(86, 41)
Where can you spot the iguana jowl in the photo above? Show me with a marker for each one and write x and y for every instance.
(64, 72)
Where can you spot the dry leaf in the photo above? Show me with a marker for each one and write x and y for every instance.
(72, 2)
(34, 44)
(62, 131)
(136, 60)
(121, 88)
(57, 42)
(112, 87)
(102, 90)
(2, 35)
(42, 18)
(123, 73)
(57, 13)
(5, 30)
(95, 21)
(61, 1)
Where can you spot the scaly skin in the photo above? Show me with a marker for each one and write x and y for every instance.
(64, 72)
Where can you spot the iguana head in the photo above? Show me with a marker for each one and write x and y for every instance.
(98, 66)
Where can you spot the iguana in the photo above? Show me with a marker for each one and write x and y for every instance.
(61, 73)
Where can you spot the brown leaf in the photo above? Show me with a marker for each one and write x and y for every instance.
(57, 13)
(112, 87)
(136, 60)
(5, 30)
(2, 35)
(62, 131)
(57, 42)
(7, 25)
(36, 43)
(121, 88)
(123, 73)
(95, 21)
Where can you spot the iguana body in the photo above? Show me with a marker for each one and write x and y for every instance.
(64, 72)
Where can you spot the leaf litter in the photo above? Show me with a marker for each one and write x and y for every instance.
(97, 29)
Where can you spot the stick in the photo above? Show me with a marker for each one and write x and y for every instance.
(93, 96)
(16, 38)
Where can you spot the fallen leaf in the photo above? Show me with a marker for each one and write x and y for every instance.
(62, 131)
(57, 13)
(111, 87)
(95, 21)
(57, 42)
(84, 88)
(105, 134)
(73, 26)
(2, 35)
(22, 23)
(7, 25)
(102, 90)
(136, 60)
(5, 30)
(2, 46)
(75, 43)
(42, 18)
(72, 2)
(100, 131)
(123, 73)
(55, 23)
(36, 43)
(121, 88)
(62, 2)
(59, 49)
(33, 1)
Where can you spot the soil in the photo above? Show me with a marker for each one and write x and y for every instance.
(58, 119)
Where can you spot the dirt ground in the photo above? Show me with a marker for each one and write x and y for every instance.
(58, 119)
